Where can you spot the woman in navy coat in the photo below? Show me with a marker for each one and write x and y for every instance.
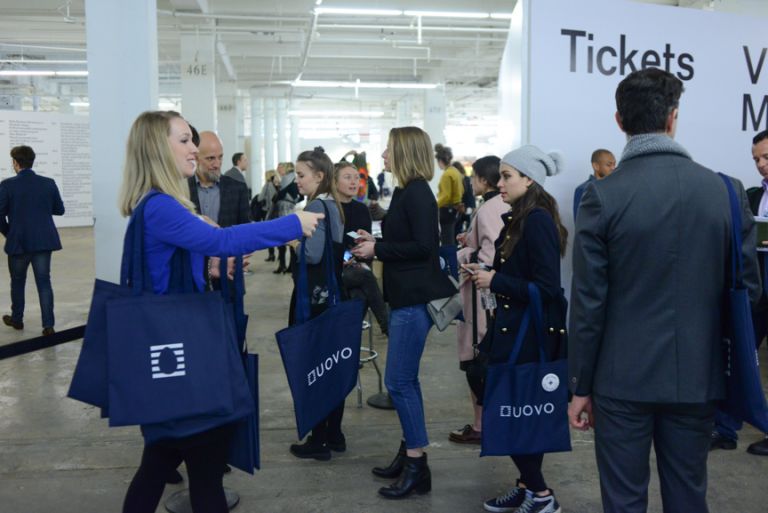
(528, 250)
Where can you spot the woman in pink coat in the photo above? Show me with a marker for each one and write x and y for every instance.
(478, 244)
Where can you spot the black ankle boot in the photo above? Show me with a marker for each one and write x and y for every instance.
(280, 269)
(416, 478)
(395, 468)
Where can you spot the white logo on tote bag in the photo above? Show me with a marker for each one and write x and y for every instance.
(178, 352)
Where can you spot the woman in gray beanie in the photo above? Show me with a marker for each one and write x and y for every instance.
(528, 250)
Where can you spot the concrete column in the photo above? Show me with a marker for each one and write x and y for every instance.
(295, 144)
(227, 120)
(198, 80)
(434, 122)
(122, 65)
(257, 144)
(270, 158)
(404, 112)
(283, 152)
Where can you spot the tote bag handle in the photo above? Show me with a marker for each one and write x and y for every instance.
(302, 282)
(533, 311)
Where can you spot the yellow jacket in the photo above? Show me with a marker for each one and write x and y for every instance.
(451, 188)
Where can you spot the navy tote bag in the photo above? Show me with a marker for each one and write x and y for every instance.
(321, 355)
(525, 407)
(745, 399)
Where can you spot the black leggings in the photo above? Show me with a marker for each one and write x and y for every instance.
(529, 466)
(205, 455)
(329, 429)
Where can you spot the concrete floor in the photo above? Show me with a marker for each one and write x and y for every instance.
(58, 455)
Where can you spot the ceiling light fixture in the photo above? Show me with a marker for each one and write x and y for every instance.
(358, 12)
(501, 15)
(42, 73)
(336, 113)
(442, 14)
(362, 85)
(79, 104)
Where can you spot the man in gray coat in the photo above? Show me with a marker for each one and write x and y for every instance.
(650, 255)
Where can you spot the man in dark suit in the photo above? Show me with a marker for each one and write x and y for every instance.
(239, 165)
(726, 430)
(221, 198)
(27, 203)
(603, 164)
(649, 280)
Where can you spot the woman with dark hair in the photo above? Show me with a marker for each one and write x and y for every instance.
(479, 247)
(528, 250)
(315, 180)
(467, 205)
(412, 278)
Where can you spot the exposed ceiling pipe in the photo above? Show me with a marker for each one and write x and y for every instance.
(224, 56)
(308, 45)
(406, 27)
(179, 14)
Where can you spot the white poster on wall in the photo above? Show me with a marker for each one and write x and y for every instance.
(564, 60)
(63, 152)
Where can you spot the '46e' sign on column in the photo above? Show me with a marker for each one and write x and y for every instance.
(196, 69)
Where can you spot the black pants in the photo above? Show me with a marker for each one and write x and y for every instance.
(281, 257)
(329, 429)
(680, 433)
(205, 455)
(361, 284)
(529, 466)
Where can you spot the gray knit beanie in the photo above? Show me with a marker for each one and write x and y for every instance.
(534, 163)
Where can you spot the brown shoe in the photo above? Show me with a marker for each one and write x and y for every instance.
(8, 321)
(48, 331)
(465, 435)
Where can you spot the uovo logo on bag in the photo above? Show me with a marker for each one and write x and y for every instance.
(170, 357)
(549, 383)
(327, 365)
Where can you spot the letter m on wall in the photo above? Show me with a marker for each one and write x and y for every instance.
(758, 121)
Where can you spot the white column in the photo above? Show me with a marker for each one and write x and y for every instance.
(283, 153)
(434, 122)
(122, 83)
(404, 112)
(257, 143)
(227, 120)
(198, 80)
(295, 144)
(270, 159)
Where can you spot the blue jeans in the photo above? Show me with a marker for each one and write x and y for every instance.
(41, 267)
(408, 328)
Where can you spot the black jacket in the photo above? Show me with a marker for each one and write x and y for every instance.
(754, 195)
(534, 259)
(409, 248)
(234, 206)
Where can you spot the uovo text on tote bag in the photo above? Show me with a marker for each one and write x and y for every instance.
(745, 399)
(321, 355)
(525, 407)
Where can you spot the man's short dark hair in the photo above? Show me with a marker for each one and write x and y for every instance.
(599, 153)
(645, 98)
(761, 136)
(24, 155)
(236, 158)
(195, 135)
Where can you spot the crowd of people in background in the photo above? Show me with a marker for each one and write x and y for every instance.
(643, 342)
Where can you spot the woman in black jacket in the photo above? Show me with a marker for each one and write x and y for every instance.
(412, 278)
(528, 250)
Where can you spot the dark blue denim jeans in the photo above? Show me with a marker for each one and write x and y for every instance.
(408, 328)
(41, 267)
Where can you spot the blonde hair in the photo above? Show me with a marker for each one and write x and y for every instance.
(288, 166)
(269, 175)
(149, 162)
(410, 155)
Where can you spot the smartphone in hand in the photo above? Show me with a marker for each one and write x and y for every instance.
(353, 235)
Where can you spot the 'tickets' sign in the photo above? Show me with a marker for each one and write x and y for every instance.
(564, 60)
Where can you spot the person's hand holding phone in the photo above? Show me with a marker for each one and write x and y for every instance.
(363, 236)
